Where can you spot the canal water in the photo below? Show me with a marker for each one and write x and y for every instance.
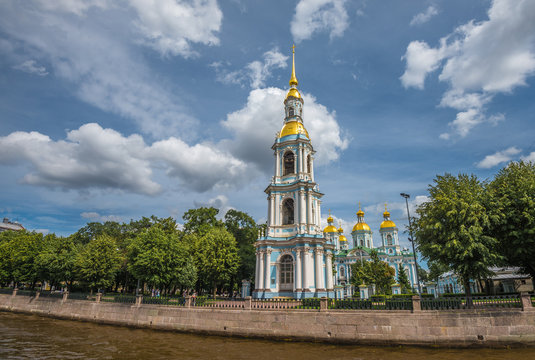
(34, 337)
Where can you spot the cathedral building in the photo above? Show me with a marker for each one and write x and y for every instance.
(294, 256)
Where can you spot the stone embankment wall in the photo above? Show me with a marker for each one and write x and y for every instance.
(507, 327)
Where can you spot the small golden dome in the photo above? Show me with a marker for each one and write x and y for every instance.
(293, 128)
(293, 92)
(330, 219)
(340, 230)
(342, 238)
(387, 224)
(361, 226)
(330, 229)
(386, 214)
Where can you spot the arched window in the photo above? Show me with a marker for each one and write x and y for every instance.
(389, 239)
(288, 212)
(289, 163)
(309, 164)
(290, 112)
(286, 273)
(342, 272)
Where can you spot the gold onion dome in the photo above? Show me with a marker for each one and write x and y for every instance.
(330, 228)
(293, 128)
(361, 225)
(340, 231)
(387, 223)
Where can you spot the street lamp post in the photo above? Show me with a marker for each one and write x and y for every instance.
(407, 196)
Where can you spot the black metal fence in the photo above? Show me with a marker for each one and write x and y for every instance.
(369, 304)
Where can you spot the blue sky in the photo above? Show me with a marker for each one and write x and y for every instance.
(113, 110)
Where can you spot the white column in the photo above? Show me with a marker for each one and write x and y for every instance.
(261, 271)
(269, 211)
(276, 213)
(309, 208)
(277, 163)
(267, 283)
(256, 269)
(298, 269)
(329, 266)
(319, 212)
(306, 274)
(301, 160)
(312, 168)
(319, 269)
(302, 207)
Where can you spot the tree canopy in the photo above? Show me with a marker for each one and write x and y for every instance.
(452, 228)
(375, 271)
(512, 202)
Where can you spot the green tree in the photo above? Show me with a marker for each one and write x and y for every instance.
(57, 260)
(216, 257)
(403, 280)
(375, 271)
(98, 261)
(94, 229)
(18, 251)
(453, 226)
(245, 231)
(161, 260)
(201, 220)
(512, 202)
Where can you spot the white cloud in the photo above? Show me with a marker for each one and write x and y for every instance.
(498, 158)
(255, 73)
(170, 26)
(421, 60)
(255, 125)
(96, 158)
(312, 16)
(530, 157)
(96, 217)
(31, 67)
(481, 59)
(94, 46)
(425, 16)
(219, 202)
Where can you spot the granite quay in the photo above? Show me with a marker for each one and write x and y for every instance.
(505, 322)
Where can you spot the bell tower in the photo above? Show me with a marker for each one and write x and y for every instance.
(293, 258)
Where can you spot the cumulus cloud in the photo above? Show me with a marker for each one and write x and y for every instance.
(255, 125)
(478, 61)
(255, 73)
(425, 16)
(96, 217)
(219, 202)
(94, 45)
(96, 158)
(170, 26)
(414, 202)
(498, 157)
(31, 67)
(530, 157)
(313, 16)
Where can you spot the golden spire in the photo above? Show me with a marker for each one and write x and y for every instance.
(293, 79)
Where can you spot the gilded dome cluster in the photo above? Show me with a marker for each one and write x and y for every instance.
(387, 223)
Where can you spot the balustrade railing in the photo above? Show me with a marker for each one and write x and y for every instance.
(221, 303)
(444, 303)
(273, 304)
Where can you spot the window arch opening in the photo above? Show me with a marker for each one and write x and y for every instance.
(289, 163)
(288, 212)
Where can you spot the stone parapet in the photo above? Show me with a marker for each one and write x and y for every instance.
(463, 328)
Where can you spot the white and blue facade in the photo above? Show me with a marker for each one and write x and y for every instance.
(293, 259)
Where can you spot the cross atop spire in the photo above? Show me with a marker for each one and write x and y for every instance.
(293, 78)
